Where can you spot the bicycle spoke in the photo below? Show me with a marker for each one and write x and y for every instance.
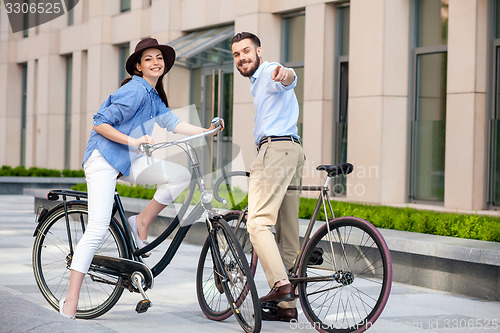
(52, 260)
(355, 280)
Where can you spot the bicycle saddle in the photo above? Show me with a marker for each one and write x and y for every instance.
(337, 169)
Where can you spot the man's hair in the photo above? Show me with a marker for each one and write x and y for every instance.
(245, 35)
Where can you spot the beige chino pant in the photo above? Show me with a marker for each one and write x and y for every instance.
(278, 164)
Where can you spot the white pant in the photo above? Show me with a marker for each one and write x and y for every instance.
(101, 184)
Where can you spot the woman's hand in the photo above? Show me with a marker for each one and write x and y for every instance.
(188, 129)
(143, 139)
(212, 125)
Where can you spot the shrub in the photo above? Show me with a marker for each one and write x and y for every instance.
(20, 171)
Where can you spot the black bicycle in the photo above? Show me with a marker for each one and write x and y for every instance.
(342, 274)
(118, 264)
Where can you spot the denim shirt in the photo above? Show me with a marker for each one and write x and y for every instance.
(133, 110)
(277, 109)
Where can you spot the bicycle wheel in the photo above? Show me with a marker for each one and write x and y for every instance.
(52, 262)
(348, 274)
(209, 290)
(235, 276)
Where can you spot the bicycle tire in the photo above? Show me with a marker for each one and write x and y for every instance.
(354, 299)
(52, 261)
(237, 279)
(210, 296)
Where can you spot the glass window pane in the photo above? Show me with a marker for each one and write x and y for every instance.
(293, 56)
(432, 22)
(299, 93)
(124, 51)
(67, 119)
(495, 163)
(24, 89)
(71, 16)
(429, 127)
(344, 17)
(495, 144)
(497, 19)
(294, 42)
(124, 5)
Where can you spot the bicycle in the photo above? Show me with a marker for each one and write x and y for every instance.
(118, 264)
(343, 272)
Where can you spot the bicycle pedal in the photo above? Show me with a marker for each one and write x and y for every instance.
(143, 306)
(269, 305)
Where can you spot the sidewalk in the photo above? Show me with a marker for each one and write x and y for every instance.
(175, 307)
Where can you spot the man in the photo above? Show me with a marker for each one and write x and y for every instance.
(278, 164)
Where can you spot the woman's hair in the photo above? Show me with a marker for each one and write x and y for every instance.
(159, 84)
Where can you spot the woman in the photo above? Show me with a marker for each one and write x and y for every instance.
(124, 121)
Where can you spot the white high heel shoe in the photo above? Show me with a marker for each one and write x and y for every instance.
(61, 305)
(138, 241)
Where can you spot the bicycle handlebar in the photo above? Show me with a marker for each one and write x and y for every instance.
(148, 149)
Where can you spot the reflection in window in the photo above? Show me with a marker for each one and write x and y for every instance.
(432, 22)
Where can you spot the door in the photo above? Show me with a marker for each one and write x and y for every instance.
(217, 101)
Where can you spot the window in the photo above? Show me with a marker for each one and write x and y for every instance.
(26, 24)
(341, 93)
(124, 5)
(123, 53)
(494, 190)
(428, 120)
(67, 117)
(24, 96)
(292, 54)
(70, 4)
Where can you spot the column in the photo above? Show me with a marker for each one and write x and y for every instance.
(378, 103)
(466, 114)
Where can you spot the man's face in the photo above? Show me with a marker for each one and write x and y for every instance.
(247, 57)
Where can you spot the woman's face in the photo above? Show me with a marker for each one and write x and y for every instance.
(151, 64)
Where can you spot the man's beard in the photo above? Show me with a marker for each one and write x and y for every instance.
(250, 70)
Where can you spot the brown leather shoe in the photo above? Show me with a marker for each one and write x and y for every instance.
(280, 314)
(280, 294)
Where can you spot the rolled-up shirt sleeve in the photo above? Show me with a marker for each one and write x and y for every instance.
(120, 106)
(167, 119)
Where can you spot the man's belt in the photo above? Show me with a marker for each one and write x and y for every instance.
(268, 139)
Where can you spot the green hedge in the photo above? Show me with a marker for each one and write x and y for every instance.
(20, 171)
(474, 226)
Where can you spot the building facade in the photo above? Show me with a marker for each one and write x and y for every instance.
(406, 90)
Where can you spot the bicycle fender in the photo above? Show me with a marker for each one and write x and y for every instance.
(45, 213)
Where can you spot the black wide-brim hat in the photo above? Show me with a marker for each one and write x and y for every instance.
(148, 43)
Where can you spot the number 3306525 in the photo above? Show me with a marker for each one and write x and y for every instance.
(33, 8)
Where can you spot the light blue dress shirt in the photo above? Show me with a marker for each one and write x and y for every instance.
(133, 110)
(277, 109)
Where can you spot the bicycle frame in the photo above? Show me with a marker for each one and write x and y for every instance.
(197, 182)
(323, 201)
